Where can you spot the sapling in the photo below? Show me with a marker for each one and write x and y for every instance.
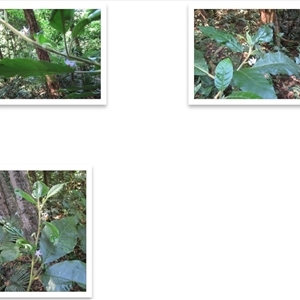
(41, 193)
(51, 241)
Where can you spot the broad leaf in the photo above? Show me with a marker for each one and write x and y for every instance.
(200, 65)
(264, 35)
(243, 95)
(61, 19)
(249, 39)
(79, 28)
(223, 74)
(29, 67)
(64, 244)
(55, 189)
(24, 195)
(10, 252)
(39, 189)
(41, 39)
(276, 63)
(59, 277)
(52, 231)
(222, 37)
(250, 80)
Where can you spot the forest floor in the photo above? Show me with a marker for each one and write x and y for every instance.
(238, 22)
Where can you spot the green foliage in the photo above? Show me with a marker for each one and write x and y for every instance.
(65, 242)
(224, 72)
(72, 36)
(29, 67)
(250, 80)
(264, 35)
(24, 195)
(200, 65)
(55, 239)
(39, 190)
(253, 81)
(60, 276)
(276, 63)
(222, 37)
(243, 95)
(61, 19)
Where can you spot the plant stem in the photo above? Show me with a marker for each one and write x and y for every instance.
(245, 60)
(31, 279)
(219, 95)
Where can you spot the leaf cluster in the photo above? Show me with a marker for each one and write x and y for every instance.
(247, 82)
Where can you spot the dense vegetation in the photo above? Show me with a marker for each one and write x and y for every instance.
(246, 54)
(50, 54)
(54, 257)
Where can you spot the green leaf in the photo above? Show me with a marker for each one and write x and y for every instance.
(223, 74)
(55, 189)
(10, 252)
(250, 80)
(197, 88)
(243, 95)
(276, 63)
(222, 37)
(263, 35)
(79, 28)
(24, 195)
(200, 65)
(59, 277)
(41, 39)
(61, 19)
(39, 189)
(52, 231)
(95, 15)
(65, 243)
(249, 39)
(29, 67)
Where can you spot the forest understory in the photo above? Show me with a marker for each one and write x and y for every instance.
(234, 34)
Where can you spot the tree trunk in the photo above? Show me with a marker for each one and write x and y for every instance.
(51, 81)
(12, 206)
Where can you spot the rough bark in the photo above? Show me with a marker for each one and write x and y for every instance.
(51, 81)
(12, 206)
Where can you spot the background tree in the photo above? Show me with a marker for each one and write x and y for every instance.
(11, 206)
(51, 81)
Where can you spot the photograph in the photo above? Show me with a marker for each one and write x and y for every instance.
(43, 232)
(246, 56)
(51, 54)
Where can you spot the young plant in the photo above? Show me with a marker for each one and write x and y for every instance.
(250, 79)
(52, 241)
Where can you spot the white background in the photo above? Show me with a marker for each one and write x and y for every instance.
(188, 202)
